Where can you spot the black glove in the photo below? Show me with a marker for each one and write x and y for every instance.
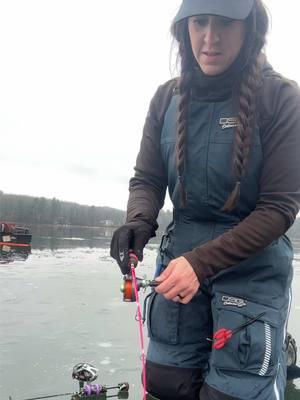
(132, 236)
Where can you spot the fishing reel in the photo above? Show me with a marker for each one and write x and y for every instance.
(127, 287)
(86, 373)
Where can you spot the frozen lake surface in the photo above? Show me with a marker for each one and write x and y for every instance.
(64, 306)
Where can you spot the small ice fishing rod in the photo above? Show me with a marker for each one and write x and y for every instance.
(86, 373)
(130, 289)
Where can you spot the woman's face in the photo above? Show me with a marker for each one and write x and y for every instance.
(216, 41)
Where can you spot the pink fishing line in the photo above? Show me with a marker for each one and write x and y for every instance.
(139, 319)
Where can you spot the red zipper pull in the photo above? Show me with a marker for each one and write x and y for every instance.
(221, 337)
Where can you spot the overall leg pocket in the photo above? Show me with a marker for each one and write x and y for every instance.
(254, 347)
(175, 323)
(163, 319)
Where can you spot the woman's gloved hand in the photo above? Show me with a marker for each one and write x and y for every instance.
(132, 236)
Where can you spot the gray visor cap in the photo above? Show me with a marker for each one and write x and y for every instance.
(233, 9)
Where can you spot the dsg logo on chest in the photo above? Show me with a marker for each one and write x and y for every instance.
(230, 122)
(233, 301)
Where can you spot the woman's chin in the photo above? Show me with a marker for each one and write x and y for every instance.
(212, 70)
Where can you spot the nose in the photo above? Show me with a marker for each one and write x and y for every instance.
(212, 34)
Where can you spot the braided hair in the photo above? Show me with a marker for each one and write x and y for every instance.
(249, 83)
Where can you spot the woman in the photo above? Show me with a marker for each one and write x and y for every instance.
(225, 139)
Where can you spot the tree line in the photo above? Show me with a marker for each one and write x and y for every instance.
(40, 210)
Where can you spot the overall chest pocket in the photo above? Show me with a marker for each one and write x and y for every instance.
(225, 133)
(256, 347)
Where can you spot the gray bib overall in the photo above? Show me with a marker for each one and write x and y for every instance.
(250, 365)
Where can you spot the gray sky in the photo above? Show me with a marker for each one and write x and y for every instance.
(76, 78)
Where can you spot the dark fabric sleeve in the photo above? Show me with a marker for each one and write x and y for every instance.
(279, 197)
(148, 186)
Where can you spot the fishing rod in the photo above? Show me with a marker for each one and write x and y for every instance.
(130, 288)
(86, 373)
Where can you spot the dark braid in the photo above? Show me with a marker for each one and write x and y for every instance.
(181, 139)
(250, 83)
(245, 124)
(185, 84)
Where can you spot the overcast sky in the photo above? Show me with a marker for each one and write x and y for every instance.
(76, 78)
